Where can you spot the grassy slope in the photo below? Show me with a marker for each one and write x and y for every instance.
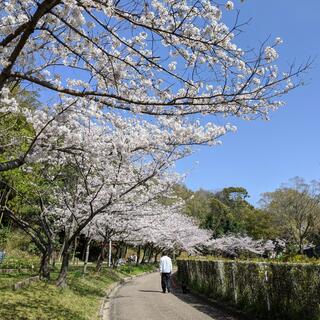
(80, 301)
(7, 280)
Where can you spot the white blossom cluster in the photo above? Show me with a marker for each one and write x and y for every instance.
(170, 63)
(271, 54)
(107, 169)
(235, 245)
(173, 61)
(165, 227)
(229, 5)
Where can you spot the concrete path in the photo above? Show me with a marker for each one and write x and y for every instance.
(142, 299)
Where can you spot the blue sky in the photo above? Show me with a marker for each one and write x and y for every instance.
(263, 154)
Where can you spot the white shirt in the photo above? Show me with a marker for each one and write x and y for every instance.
(165, 264)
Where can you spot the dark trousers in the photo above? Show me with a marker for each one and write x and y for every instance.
(165, 281)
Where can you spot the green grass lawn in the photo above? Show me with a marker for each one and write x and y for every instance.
(42, 300)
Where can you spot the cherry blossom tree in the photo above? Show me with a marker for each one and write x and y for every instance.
(96, 161)
(166, 60)
(153, 226)
(126, 88)
(113, 169)
(235, 245)
(130, 226)
(169, 228)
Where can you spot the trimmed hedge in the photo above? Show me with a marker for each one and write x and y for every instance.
(265, 290)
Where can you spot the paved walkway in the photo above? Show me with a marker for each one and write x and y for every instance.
(142, 299)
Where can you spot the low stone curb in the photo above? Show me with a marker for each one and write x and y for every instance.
(105, 305)
(22, 284)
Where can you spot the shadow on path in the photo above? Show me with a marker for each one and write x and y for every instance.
(144, 299)
(202, 306)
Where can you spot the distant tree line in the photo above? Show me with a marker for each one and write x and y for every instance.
(291, 212)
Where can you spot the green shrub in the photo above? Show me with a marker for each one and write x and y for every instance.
(298, 258)
(13, 240)
(132, 269)
(20, 260)
(4, 235)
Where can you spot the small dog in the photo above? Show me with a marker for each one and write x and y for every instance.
(184, 287)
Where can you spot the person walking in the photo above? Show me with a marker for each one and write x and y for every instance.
(165, 272)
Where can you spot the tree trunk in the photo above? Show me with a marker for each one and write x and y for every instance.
(117, 252)
(99, 262)
(62, 279)
(54, 258)
(74, 250)
(61, 251)
(150, 254)
(144, 254)
(156, 257)
(101, 256)
(300, 246)
(45, 264)
(87, 256)
(1, 217)
(138, 254)
(122, 250)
